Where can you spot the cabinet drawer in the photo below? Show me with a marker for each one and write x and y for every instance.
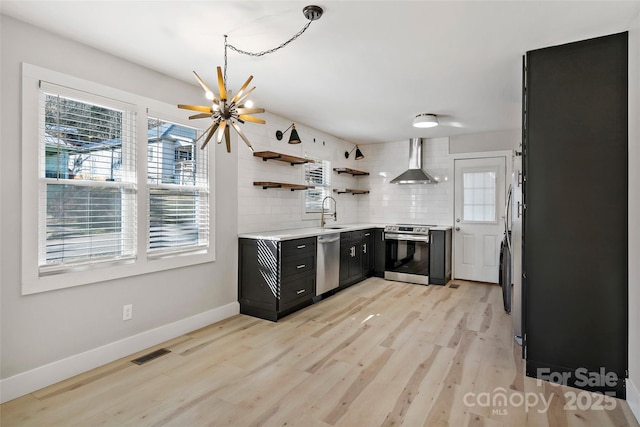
(299, 246)
(299, 264)
(299, 289)
(351, 236)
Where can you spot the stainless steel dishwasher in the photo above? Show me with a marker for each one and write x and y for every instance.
(328, 267)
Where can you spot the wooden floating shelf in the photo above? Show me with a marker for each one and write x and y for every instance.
(348, 190)
(353, 172)
(292, 187)
(272, 155)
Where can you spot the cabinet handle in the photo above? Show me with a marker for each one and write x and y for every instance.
(301, 266)
(367, 234)
(302, 246)
(352, 251)
(301, 291)
(364, 248)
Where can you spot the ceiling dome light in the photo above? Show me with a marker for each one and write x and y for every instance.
(425, 120)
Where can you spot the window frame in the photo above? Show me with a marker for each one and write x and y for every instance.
(127, 183)
(197, 186)
(32, 280)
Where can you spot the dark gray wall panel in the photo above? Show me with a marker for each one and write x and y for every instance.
(575, 227)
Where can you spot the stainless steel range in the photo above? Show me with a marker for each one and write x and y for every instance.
(407, 253)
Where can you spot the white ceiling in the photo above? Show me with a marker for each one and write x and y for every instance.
(361, 72)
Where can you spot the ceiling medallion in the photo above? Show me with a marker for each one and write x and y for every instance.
(225, 114)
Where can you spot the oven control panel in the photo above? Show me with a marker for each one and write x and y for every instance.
(408, 229)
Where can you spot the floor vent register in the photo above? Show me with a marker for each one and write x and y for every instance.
(149, 357)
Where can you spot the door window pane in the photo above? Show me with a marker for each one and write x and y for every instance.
(479, 196)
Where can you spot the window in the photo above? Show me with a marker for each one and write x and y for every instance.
(108, 185)
(318, 175)
(479, 196)
(178, 188)
(87, 180)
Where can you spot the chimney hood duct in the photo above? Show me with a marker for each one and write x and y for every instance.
(415, 174)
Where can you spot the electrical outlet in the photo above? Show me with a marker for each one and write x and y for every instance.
(127, 312)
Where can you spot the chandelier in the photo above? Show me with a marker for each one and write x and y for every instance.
(226, 114)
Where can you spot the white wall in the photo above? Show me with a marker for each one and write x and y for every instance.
(633, 385)
(50, 327)
(277, 209)
(486, 141)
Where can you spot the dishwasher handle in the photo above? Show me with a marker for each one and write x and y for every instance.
(328, 239)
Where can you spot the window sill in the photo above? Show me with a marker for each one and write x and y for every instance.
(95, 274)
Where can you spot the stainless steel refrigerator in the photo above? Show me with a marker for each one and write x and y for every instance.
(515, 246)
(511, 249)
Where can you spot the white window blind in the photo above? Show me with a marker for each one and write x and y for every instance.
(318, 175)
(178, 182)
(87, 179)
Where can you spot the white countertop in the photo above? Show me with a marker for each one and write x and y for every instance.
(299, 233)
(441, 227)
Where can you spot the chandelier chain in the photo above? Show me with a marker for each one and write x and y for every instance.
(225, 60)
(265, 52)
(261, 53)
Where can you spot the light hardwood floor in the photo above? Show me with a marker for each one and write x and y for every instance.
(379, 353)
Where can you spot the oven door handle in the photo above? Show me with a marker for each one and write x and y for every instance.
(408, 237)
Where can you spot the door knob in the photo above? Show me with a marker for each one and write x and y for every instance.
(457, 228)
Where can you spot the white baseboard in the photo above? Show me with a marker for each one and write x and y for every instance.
(633, 399)
(46, 375)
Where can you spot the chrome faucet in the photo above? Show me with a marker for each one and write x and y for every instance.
(335, 211)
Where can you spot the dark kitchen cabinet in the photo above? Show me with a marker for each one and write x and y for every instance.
(439, 256)
(379, 249)
(276, 278)
(575, 240)
(351, 255)
(368, 252)
(357, 256)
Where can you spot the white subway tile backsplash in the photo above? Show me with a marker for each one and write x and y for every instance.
(429, 204)
(275, 209)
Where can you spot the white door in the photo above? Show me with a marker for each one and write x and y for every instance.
(479, 217)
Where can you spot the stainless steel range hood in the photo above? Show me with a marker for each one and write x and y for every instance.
(415, 174)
